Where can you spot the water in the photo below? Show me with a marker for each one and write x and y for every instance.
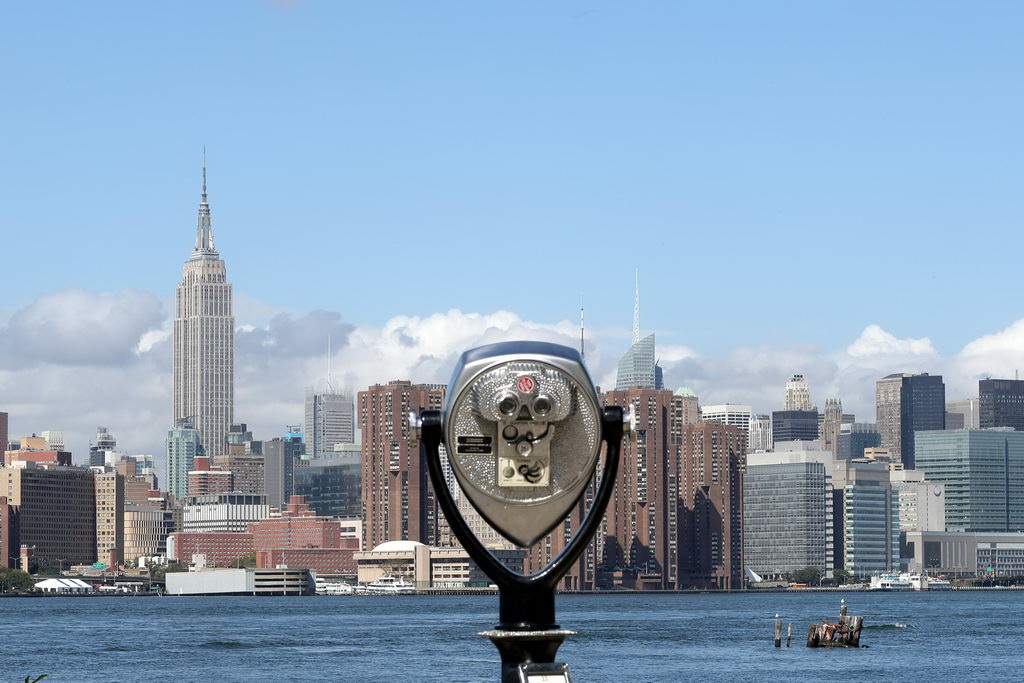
(957, 636)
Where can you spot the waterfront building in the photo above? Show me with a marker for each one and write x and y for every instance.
(279, 458)
(397, 499)
(963, 414)
(329, 420)
(110, 499)
(331, 485)
(711, 511)
(787, 512)
(334, 561)
(854, 438)
(982, 471)
(204, 342)
(760, 433)
(964, 554)
(922, 503)
(205, 478)
(429, 567)
(870, 520)
(249, 582)
(53, 512)
(905, 404)
(184, 444)
(730, 414)
(798, 394)
(642, 524)
(794, 425)
(224, 512)
(1001, 403)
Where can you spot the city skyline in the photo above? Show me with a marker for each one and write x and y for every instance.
(422, 137)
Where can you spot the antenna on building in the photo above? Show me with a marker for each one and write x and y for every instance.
(636, 306)
(329, 387)
(582, 351)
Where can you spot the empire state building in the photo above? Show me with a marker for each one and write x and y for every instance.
(204, 342)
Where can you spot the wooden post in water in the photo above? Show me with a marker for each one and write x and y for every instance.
(812, 636)
(789, 635)
(856, 623)
(778, 631)
(842, 611)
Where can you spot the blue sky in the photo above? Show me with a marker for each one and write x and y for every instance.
(832, 188)
(780, 172)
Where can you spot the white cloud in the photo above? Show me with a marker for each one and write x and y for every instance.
(75, 359)
(874, 341)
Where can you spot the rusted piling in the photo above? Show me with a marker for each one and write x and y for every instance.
(844, 634)
(778, 631)
(789, 635)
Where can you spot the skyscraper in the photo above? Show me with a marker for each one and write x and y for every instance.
(204, 346)
(643, 519)
(105, 441)
(982, 471)
(787, 512)
(711, 493)
(183, 445)
(397, 497)
(794, 425)
(830, 425)
(329, 421)
(638, 367)
(904, 404)
(798, 394)
(1001, 403)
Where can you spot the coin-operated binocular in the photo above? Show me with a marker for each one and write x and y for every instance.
(523, 428)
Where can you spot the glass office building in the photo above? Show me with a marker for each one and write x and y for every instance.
(787, 517)
(983, 474)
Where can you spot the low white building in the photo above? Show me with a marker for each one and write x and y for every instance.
(63, 586)
(247, 581)
(430, 567)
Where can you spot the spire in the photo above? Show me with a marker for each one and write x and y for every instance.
(204, 232)
(636, 308)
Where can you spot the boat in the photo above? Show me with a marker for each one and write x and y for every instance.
(923, 582)
(388, 585)
(890, 582)
(334, 588)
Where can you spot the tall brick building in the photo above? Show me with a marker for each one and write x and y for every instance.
(711, 493)
(397, 498)
(642, 527)
(54, 512)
